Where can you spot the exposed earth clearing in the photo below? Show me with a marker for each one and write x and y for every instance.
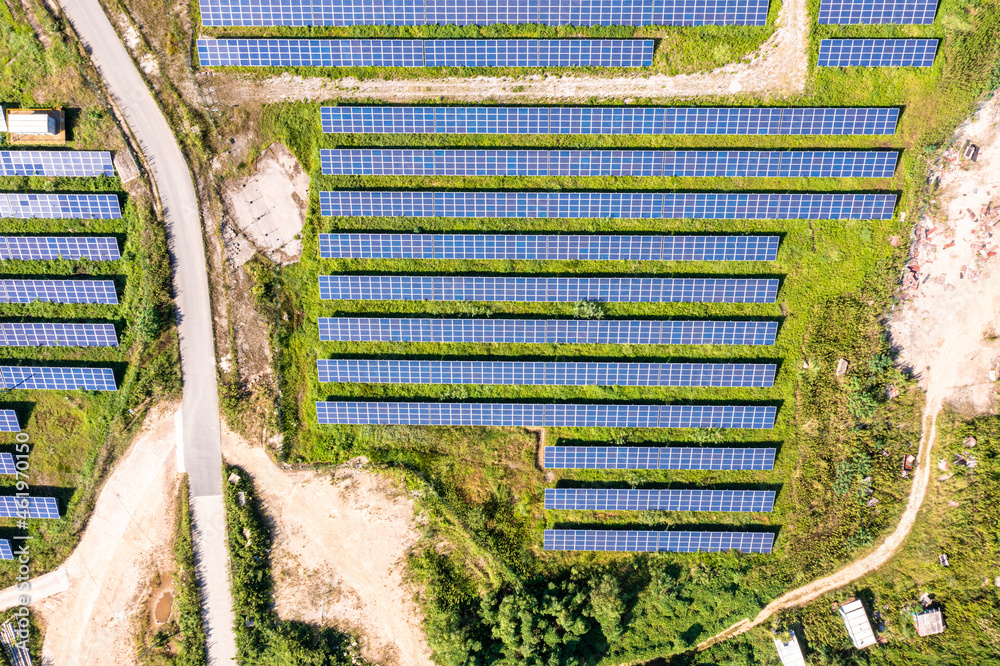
(340, 543)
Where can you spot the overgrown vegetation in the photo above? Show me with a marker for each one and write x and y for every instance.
(261, 638)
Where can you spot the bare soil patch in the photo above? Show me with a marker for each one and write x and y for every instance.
(340, 543)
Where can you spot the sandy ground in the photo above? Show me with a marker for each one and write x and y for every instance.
(779, 68)
(339, 552)
(945, 328)
(109, 574)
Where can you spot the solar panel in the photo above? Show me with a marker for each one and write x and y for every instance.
(231, 13)
(425, 53)
(31, 378)
(865, 12)
(549, 415)
(877, 52)
(548, 331)
(608, 120)
(662, 542)
(599, 163)
(549, 248)
(605, 205)
(8, 421)
(545, 289)
(51, 334)
(71, 164)
(58, 291)
(5, 550)
(7, 465)
(34, 507)
(612, 499)
(520, 373)
(27, 248)
(665, 458)
(24, 205)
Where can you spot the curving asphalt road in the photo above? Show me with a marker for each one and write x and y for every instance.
(202, 441)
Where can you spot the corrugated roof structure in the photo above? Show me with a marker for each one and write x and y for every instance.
(790, 653)
(929, 623)
(858, 626)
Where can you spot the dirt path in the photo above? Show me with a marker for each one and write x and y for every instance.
(778, 68)
(88, 605)
(339, 552)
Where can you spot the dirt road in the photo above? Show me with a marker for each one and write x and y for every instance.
(779, 68)
(340, 544)
(89, 603)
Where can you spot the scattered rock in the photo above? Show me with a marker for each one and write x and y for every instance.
(969, 443)
(943, 465)
(944, 477)
(943, 560)
(841, 367)
(894, 241)
(953, 504)
(234, 478)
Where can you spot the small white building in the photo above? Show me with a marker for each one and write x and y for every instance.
(790, 653)
(38, 123)
(929, 623)
(858, 626)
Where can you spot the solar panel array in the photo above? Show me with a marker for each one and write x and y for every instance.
(593, 163)
(877, 52)
(35, 507)
(22, 205)
(866, 12)
(58, 291)
(660, 458)
(611, 499)
(425, 53)
(550, 248)
(50, 334)
(8, 421)
(27, 248)
(546, 289)
(608, 120)
(548, 331)
(228, 13)
(5, 550)
(57, 379)
(549, 415)
(604, 205)
(521, 373)
(7, 465)
(72, 164)
(658, 542)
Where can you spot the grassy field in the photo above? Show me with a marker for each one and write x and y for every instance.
(76, 436)
(490, 594)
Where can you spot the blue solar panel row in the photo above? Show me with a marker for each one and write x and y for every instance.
(604, 205)
(549, 415)
(71, 164)
(867, 12)
(33, 507)
(548, 331)
(27, 248)
(7, 465)
(594, 163)
(665, 458)
(425, 53)
(608, 120)
(6, 553)
(8, 421)
(24, 206)
(231, 13)
(612, 499)
(521, 373)
(58, 291)
(49, 334)
(877, 52)
(548, 290)
(549, 248)
(658, 542)
(56, 379)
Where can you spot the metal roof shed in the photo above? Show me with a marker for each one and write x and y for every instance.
(929, 623)
(32, 123)
(858, 626)
(790, 653)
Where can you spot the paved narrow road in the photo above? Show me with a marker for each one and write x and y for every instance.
(202, 442)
